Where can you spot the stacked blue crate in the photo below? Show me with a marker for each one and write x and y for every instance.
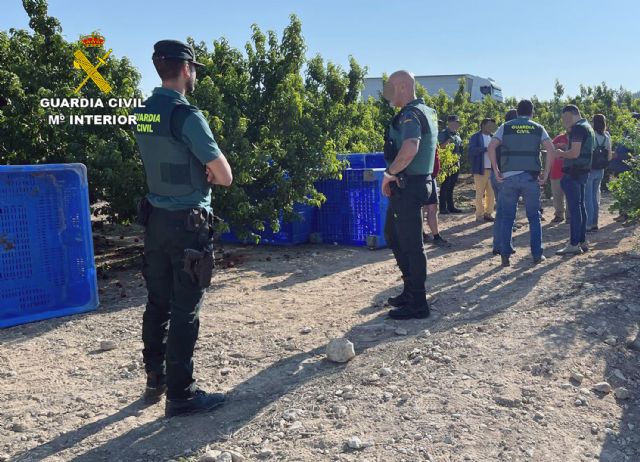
(368, 160)
(291, 232)
(47, 266)
(355, 209)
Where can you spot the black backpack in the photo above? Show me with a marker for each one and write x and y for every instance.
(600, 156)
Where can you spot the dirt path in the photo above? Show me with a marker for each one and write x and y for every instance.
(486, 378)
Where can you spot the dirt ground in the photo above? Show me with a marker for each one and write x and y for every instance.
(505, 369)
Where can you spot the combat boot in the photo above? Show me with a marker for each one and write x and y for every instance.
(156, 387)
(416, 308)
(200, 401)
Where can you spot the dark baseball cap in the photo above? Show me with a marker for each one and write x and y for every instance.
(453, 118)
(174, 49)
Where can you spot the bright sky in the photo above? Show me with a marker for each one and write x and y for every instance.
(523, 45)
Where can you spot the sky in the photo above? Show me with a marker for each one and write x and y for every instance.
(523, 45)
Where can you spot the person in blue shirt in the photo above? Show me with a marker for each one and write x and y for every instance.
(181, 161)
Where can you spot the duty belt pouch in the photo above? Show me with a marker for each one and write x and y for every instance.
(196, 219)
(144, 212)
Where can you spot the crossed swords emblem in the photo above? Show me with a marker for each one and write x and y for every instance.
(82, 62)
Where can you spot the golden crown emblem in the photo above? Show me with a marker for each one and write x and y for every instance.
(92, 41)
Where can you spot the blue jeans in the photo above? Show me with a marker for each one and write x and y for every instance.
(496, 227)
(592, 196)
(511, 189)
(574, 191)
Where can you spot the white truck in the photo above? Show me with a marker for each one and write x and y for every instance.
(477, 87)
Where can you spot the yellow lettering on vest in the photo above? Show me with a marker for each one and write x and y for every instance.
(145, 117)
(144, 128)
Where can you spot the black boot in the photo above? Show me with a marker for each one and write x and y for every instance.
(403, 298)
(201, 401)
(156, 387)
(400, 300)
(417, 308)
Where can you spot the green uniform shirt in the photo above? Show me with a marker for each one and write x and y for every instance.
(408, 126)
(196, 134)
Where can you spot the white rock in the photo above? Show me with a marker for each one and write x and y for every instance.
(355, 443)
(400, 331)
(210, 456)
(341, 411)
(618, 373)
(577, 377)
(622, 393)
(603, 387)
(340, 350)
(108, 345)
(265, 453)
(306, 330)
(236, 456)
(611, 341)
(592, 330)
(385, 371)
(224, 457)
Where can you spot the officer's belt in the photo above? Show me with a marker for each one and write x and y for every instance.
(192, 218)
(417, 178)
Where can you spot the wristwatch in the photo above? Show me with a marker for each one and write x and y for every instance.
(388, 174)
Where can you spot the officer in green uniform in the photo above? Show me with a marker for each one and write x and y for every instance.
(410, 146)
(181, 161)
(446, 136)
(520, 174)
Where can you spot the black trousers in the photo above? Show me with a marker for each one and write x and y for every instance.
(446, 192)
(403, 232)
(171, 319)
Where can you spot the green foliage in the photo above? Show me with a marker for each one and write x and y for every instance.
(626, 187)
(278, 116)
(40, 65)
(279, 123)
(449, 162)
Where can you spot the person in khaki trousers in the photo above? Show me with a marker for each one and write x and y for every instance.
(481, 169)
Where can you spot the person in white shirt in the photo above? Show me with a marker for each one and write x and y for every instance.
(481, 169)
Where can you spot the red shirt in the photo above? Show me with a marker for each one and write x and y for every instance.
(556, 167)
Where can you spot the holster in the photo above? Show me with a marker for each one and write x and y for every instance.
(199, 266)
(144, 212)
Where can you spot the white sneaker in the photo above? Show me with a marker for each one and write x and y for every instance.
(570, 250)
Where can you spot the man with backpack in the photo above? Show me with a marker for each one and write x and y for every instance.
(409, 151)
(602, 155)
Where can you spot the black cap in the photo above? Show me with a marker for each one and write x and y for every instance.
(174, 49)
(453, 118)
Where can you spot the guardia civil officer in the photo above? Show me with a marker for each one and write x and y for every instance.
(181, 161)
(410, 147)
(520, 174)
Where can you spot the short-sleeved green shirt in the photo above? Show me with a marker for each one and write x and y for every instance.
(197, 135)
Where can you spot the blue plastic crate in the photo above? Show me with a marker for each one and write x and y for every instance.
(291, 233)
(355, 210)
(47, 266)
(375, 160)
(365, 160)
